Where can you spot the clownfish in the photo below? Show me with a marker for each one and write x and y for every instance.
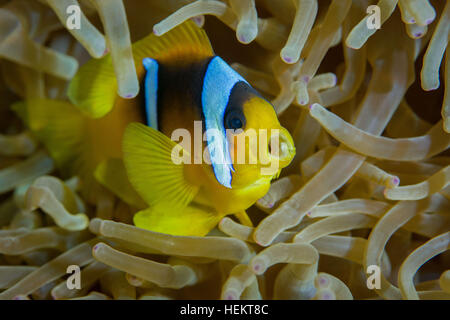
(125, 145)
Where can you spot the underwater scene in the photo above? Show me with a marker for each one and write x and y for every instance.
(224, 150)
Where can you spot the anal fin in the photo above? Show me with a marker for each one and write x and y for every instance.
(188, 221)
(112, 175)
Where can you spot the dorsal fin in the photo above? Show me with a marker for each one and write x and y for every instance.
(94, 87)
(186, 43)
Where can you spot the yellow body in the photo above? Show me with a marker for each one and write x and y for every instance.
(100, 138)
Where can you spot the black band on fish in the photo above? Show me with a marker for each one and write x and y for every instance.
(234, 113)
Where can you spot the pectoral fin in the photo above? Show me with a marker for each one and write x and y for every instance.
(153, 167)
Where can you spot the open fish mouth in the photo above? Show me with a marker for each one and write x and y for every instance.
(281, 147)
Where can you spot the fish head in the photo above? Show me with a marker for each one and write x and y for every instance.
(259, 146)
(245, 140)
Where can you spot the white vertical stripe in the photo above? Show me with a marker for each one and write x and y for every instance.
(151, 92)
(219, 80)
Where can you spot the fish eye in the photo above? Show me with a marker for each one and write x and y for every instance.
(234, 121)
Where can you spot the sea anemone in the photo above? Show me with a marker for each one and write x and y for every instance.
(367, 190)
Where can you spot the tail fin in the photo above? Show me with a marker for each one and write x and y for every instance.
(63, 129)
(58, 124)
